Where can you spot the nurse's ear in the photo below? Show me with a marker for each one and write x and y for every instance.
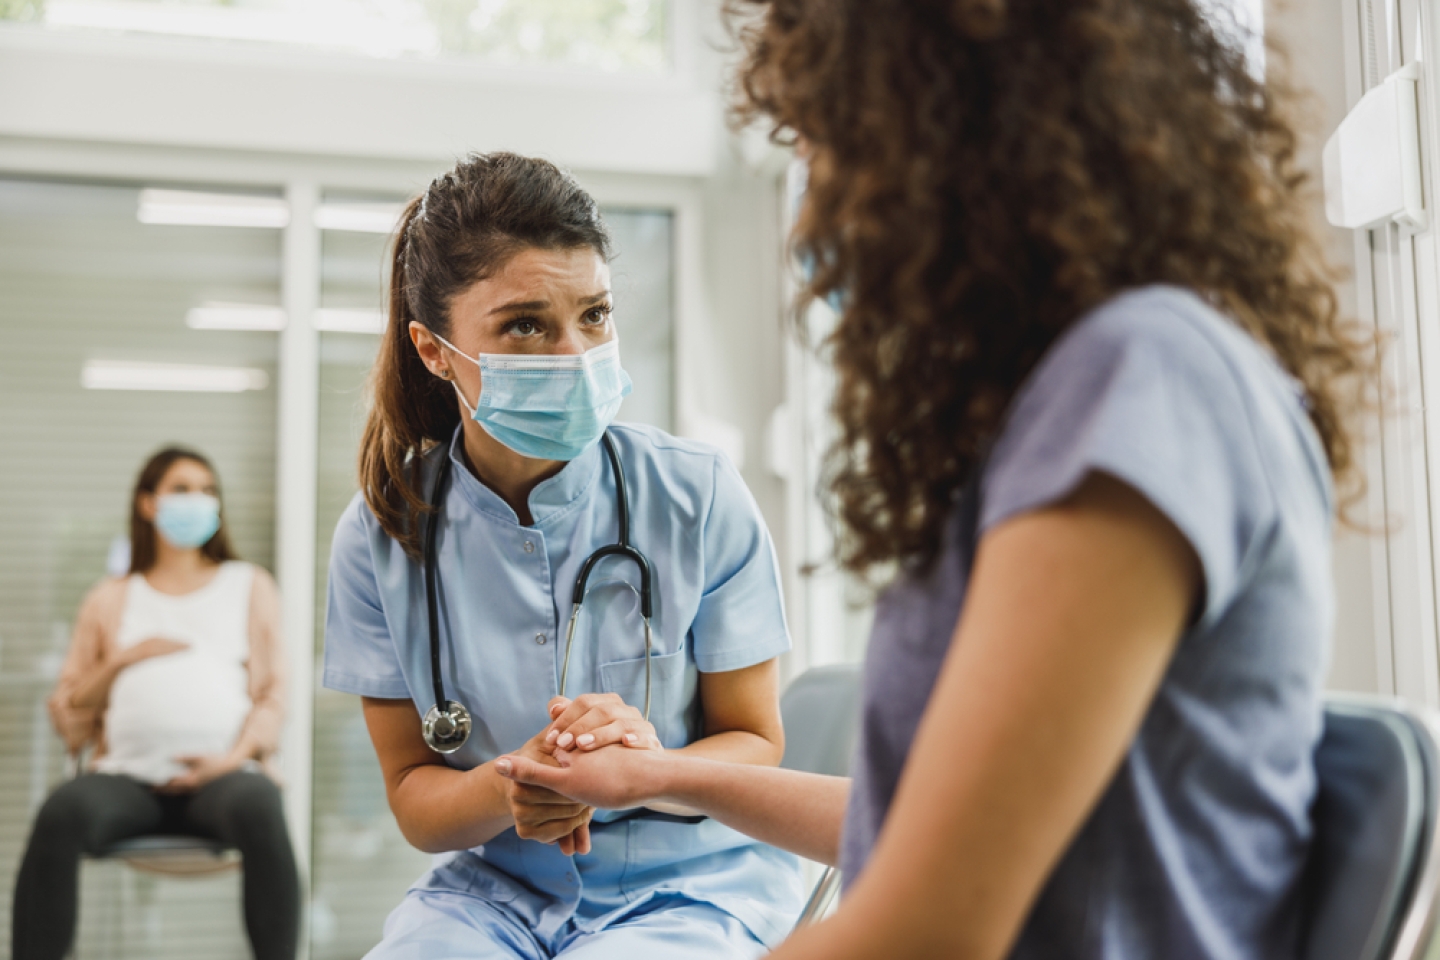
(429, 350)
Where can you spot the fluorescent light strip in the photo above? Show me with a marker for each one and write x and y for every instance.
(234, 316)
(334, 320)
(186, 208)
(188, 378)
(253, 317)
(359, 217)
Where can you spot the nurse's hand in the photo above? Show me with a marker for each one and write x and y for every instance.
(545, 815)
(595, 720)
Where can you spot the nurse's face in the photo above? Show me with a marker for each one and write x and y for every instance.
(541, 301)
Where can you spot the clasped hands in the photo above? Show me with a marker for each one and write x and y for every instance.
(589, 723)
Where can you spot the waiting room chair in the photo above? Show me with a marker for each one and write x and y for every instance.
(175, 856)
(1372, 886)
(169, 855)
(1374, 874)
(821, 713)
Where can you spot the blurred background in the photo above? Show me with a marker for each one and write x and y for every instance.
(195, 202)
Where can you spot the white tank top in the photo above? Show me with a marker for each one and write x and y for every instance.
(191, 702)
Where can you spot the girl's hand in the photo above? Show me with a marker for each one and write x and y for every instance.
(545, 815)
(595, 720)
(611, 779)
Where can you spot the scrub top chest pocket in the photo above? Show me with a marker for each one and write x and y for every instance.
(612, 632)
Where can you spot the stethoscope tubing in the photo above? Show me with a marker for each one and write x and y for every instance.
(452, 717)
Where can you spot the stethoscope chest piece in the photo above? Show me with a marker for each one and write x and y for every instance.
(446, 731)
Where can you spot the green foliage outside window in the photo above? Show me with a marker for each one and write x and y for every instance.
(607, 35)
(22, 10)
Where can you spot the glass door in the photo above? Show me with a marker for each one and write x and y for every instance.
(114, 342)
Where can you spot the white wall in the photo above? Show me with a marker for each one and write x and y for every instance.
(1312, 35)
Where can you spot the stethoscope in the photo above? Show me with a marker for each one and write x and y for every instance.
(447, 725)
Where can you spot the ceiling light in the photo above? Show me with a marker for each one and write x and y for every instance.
(187, 208)
(333, 320)
(359, 217)
(234, 316)
(132, 375)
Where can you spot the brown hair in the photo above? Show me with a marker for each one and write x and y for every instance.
(466, 226)
(983, 172)
(142, 532)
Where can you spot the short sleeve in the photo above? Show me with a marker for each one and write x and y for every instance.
(359, 652)
(741, 618)
(1151, 397)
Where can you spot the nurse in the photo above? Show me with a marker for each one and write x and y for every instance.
(502, 258)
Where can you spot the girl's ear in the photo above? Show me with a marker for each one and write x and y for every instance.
(147, 505)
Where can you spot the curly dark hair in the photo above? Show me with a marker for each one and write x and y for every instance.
(983, 172)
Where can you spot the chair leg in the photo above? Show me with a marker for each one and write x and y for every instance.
(820, 898)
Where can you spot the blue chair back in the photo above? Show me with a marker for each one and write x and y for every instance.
(821, 713)
(1370, 890)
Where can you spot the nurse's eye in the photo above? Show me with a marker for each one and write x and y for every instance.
(597, 316)
(523, 327)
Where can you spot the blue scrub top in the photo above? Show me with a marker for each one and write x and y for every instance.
(504, 599)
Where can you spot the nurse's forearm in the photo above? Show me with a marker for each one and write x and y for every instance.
(440, 809)
(799, 812)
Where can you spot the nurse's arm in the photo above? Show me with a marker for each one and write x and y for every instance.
(1072, 616)
(439, 808)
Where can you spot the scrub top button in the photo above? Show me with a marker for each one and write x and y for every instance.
(529, 546)
(540, 639)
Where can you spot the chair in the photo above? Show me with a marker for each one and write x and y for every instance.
(169, 855)
(175, 856)
(821, 713)
(1372, 886)
(1374, 875)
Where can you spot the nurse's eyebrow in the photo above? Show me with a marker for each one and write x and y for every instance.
(521, 305)
(517, 305)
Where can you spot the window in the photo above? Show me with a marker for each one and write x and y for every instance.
(597, 35)
(106, 358)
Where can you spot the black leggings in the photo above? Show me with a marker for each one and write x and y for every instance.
(94, 810)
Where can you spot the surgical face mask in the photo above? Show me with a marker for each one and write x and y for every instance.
(187, 519)
(797, 181)
(547, 406)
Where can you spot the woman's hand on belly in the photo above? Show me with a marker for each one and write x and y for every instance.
(544, 815)
(200, 770)
(595, 720)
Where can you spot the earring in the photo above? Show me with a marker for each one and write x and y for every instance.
(444, 374)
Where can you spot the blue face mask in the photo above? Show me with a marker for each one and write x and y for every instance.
(188, 519)
(796, 185)
(548, 406)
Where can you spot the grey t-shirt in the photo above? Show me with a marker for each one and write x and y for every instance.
(1196, 847)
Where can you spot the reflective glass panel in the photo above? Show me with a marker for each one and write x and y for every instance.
(99, 369)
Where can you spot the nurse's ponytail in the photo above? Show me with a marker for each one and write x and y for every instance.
(466, 226)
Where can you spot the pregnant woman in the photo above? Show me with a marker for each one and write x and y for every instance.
(174, 680)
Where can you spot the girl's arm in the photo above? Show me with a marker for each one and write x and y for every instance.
(742, 723)
(1072, 616)
(799, 812)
